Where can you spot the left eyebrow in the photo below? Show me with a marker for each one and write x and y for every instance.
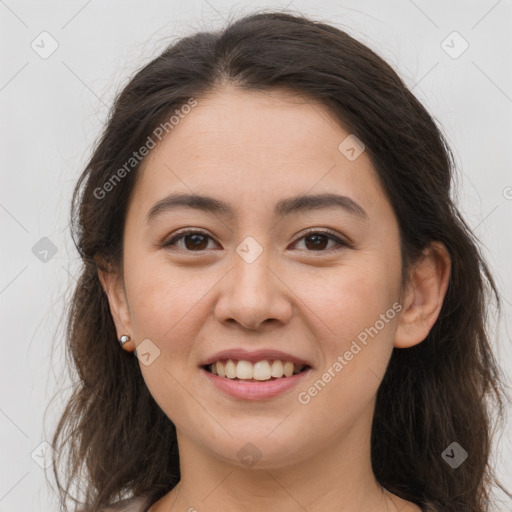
(283, 208)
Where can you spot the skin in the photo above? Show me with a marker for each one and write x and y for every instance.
(251, 150)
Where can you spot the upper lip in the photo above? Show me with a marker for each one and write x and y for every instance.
(241, 354)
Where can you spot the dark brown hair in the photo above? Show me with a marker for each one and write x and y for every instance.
(445, 389)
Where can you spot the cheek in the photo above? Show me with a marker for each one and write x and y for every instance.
(159, 296)
(358, 308)
(165, 307)
(353, 297)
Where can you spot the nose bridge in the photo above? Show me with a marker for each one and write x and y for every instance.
(253, 293)
(251, 269)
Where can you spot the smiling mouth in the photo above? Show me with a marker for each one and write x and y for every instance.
(260, 371)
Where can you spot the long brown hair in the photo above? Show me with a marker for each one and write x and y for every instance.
(445, 389)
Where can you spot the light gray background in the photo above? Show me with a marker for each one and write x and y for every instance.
(52, 111)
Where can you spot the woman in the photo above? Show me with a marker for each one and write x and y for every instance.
(267, 230)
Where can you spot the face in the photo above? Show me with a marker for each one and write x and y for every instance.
(320, 284)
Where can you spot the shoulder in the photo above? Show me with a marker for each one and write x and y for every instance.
(137, 504)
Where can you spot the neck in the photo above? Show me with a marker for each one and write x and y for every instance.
(337, 477)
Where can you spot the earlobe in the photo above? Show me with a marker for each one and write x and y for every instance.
(423, 299)
(113, 287)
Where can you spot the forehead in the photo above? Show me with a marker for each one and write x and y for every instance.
(278, 121)
(253, 149)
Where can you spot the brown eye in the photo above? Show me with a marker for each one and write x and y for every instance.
(318, 241)
(197, 241)
(194, 241)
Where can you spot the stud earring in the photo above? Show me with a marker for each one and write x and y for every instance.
(124, 339)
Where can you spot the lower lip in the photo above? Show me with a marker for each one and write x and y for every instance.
(254, 390)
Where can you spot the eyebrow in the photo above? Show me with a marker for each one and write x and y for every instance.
(283, 208)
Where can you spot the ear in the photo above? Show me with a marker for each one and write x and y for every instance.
(424, 296)
(112, 283)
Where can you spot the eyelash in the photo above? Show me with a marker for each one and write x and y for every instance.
(330, 234)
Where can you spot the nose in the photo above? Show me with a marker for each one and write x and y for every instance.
(253, 295)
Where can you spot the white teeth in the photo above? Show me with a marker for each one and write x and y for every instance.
(230, 369)
(243, 369)
(277, 369)
(220, 369)
(261, 370)
(288, 369)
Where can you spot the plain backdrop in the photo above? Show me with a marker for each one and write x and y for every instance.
(62, 64)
